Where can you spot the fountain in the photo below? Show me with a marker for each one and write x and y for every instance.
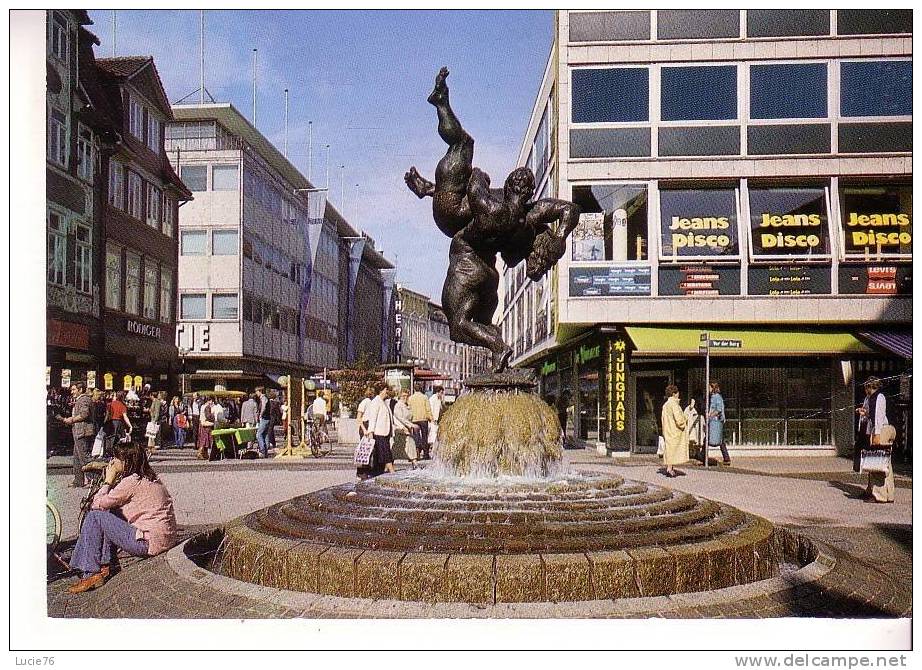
(497, 518)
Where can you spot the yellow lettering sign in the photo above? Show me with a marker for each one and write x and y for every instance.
(878, 220)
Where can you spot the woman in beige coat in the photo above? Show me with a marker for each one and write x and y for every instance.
(674, 423)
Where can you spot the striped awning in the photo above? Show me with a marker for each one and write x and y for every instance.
(897, 342)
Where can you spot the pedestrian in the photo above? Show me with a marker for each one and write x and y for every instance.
(875, 433)
(99, 409)
(179, 420)
(117, 413)
(157, 412)
(81, 423)
(674, 425)
(436, 401)
(405, 431)
(275, 416)
(422, 415)
(265, 415)
(319, 410)
(717, 417)
(694, 427)
(563, 412)
(205, 426)
(381, 426)
(132, 511)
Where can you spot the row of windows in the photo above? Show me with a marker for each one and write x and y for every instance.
(727, 24)
(126, 273)
(786, 221)
(199, 136)
(60, 240)
(57, 37)
(265, 192)
(224, 306)
(273, 259)
(131, 193)
(58, 145)
(223, 177)
(144, 124)
(195, 242)
(709, 92)
(270, 315)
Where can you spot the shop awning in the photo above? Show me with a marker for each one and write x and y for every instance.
(685, 341)
(898, 342)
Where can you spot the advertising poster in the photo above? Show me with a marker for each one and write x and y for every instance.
(789, 222)
(790, 279)
(589, 237)
(876, 220)
(699, 280)
(610, 280)
(880, 279)
(698, 223)
(91, 379)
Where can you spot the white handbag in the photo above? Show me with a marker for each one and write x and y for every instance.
(660, 445)
(433, 432)
(875, 460)
(99, 444)
(152, 430)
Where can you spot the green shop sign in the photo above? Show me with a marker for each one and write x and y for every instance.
(588, 353)
(548, 368)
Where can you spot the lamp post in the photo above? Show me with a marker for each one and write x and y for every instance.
(183, 352)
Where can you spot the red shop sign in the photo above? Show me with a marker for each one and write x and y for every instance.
(70, 335)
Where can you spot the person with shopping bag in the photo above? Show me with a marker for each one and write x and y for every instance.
(873, 444)
(675, 450)
(405, 431)
(381, 426)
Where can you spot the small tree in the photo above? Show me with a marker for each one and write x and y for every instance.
(354, 379)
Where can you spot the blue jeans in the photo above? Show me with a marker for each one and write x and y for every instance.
(179, 436)
(262, 436)
(102, 535)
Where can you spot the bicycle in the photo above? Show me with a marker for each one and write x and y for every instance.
(319, 440)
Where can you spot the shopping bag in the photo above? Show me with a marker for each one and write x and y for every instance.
(152, 430)
(433, 432)
(875, 460)
(660, 445)
(364, 451)
(99, 444)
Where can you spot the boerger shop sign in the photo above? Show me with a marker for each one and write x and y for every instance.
(142, 329)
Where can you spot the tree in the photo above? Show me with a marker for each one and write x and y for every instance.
(354, 379)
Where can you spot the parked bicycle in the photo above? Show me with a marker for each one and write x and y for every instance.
(319, 440)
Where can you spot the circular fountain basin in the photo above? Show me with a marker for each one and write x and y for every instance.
(415, 537)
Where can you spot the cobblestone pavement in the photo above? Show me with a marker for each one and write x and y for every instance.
(872, 544)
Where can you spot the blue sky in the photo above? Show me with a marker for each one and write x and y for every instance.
(362, 78)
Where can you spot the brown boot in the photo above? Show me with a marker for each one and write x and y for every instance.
(90, 583)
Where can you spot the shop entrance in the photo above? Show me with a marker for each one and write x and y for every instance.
(649, 389)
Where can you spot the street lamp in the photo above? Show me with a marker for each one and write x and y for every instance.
(183, 352)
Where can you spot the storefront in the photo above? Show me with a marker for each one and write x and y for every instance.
(138, 353)
(71, 354)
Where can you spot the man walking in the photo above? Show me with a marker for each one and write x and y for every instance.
(81, 423)
(249, 414)
(262, 429)
(422, 415)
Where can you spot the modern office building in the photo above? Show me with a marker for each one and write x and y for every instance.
(744, 177)
(266, 274)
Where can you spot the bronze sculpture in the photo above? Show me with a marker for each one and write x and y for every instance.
(483, 222)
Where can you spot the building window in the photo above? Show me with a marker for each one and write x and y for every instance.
(57, 248)
(166, 294)
(169, 209)
(224, 242)
(135, 118)
(116, 184)
(86, 154)
(113, 277)
(613, 225)
(874, 21)
(789, 221)
(192, 306)
(58, 43)
(192, 242)
(609, 26)
(610, 95)
(134, 195)
(786, 22)
(877, 88)
(84, 259)
(154, 200)
(787, 91)
(151, 275)
(132, 283)
(696, 24)
(153, 132)
(224, 178)
(57, 137)
(876, 219)
(698, 223)
(704, 93)
(195, 177)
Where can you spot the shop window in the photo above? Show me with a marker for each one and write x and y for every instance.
(698, 223)
(113, 277)
(609, 26)
(786, 22)
(57, 248)
(876, 219)
(166, 294)
(84, 258)
(151, 295)
(195, 177)
(699, 93)
(613, 225)
(224, 306)
(192, 306)
(610, 95)
(132, 283)
(224, 242)
(787, 91)
(192, 242)
(224, 178)
(789, 222)
(876, 88)
(696, 24)
(57, 137)
(874, 21)
(117, 184)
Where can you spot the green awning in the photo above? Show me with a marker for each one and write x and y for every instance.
(660, 341)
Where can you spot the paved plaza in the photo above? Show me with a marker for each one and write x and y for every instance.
(868, 546)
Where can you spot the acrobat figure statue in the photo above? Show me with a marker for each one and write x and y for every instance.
(483, 222)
